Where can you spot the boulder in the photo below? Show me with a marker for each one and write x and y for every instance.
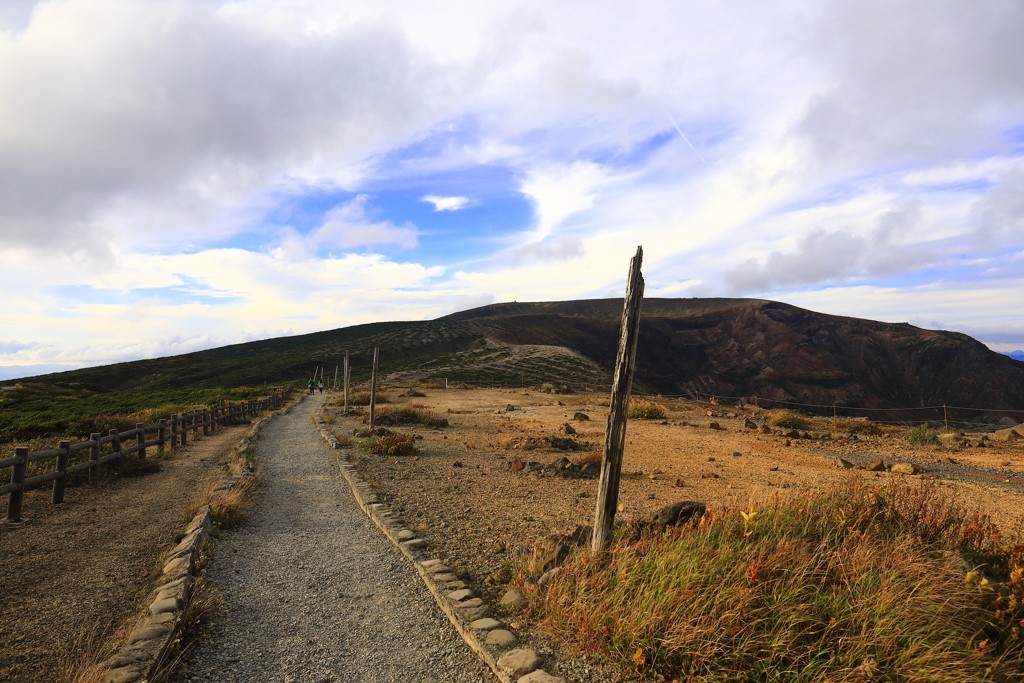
(907, 468)
(749, 424)
(671, 515)
(876, 466)
(519, 662)
(581, 417)
(1010, 433)
(567, 428)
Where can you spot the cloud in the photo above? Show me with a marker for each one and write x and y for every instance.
(549, 250)
(10, 346)
(446, 203)
(471, 301)
(999, 215)
(558, 192)
(348, 225)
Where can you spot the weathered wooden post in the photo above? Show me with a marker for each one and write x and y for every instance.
(115, 445)
(206, 421)
(161, 435)
(142, 439)
(373, 387)
(615, 433)
(345, 378)
(174, 431)
(17, 496)
(94, 471)
(184, 427)
(60, 483)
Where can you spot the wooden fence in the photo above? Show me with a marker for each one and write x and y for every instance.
(172, 432)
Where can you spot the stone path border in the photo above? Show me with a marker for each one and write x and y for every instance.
(149, 642)
(469, 614)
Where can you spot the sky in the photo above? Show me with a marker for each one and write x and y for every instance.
(182, 175)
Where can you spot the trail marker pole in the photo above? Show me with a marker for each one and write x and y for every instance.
(945, 419)
(373, 386)
(335, 377)
(344, 377)
(622, 382)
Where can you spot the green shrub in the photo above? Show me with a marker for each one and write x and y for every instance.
(647, 411)
(923, 435)
(396, 444)
(857, 426)
(791, 421)
(409, 415)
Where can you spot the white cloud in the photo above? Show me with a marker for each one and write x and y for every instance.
(446, 203)
(348, 225)
(561, 191)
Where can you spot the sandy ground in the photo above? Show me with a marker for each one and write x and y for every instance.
(460, 494)
(76, 572)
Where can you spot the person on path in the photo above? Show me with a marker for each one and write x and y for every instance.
(321, 386)
(311, 385)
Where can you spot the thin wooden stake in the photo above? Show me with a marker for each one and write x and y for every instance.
(615, 434)
(373, 387)
(945, 419)
(345, 375)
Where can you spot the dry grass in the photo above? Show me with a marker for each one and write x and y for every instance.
(791, 421)
(645, 410)
(856, 426)
(816, 588)
(409, 414)
(396, 444)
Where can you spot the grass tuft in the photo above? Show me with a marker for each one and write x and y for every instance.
(857, 426)
(396, 444)
(804, 590)
(923, 435)
(791, 421)
(409, 415)
(647, 411)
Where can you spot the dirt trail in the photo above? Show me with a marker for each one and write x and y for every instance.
(312, 590)
(81, 569)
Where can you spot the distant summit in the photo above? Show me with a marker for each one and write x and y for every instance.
(1018, 354)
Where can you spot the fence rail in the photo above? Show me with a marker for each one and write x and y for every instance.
(171, 433)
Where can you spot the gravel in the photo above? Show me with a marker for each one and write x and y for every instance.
(312, 590)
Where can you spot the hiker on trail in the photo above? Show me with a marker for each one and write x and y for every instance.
(311, 385)
(321, 386)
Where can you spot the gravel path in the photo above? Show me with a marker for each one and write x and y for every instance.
(312, 590)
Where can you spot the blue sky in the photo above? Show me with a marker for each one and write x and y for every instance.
(181, 175)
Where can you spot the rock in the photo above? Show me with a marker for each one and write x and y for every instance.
(520, 661)
(847, 464)
(485, 624)
(552, 553)
(560, 464)
(581, 417)
(546, 577)
(792, 434)
(765, 429)
(714, 425)
(907, 468)
(737, 454)
(749, 424)
(1010, 433)
(471, 603)
(876, 466)
(567, 428)
(671, 515)
(517, 465)
(405, 535)
(436, 567)
(502, 639)
(457, 596)
(166, 605)
(680, 483)
(540, 676)
(709, 475)
(509, 408)
(514, 599)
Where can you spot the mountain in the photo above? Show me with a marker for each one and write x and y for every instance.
(725, 347)
(1018, 354)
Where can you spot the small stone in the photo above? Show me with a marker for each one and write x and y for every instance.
(520, 661)
(876, 466)
(680, 483)
(435, 567)
(430, 563)
(714, 425)
(469, 604)
(581, 417)
(486, 624)
(749, 424)
(415, 543)
(405, 535)
(502, 639)
(514, 599)
(446, 577)
(736, 454)
(907, 468)
(540, 676)
(847, 464)
(161, 606)
(177, 566)
(149, 632)
(457, 596)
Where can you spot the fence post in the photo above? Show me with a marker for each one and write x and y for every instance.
(615, 435)
(373, 386)
(16, 498)
(142, 440)
(94, 471)
(945, 419)
(60, 483)
(345, 377)
(161, 434)
(174, 431)
(184, 428)
(115, 446)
